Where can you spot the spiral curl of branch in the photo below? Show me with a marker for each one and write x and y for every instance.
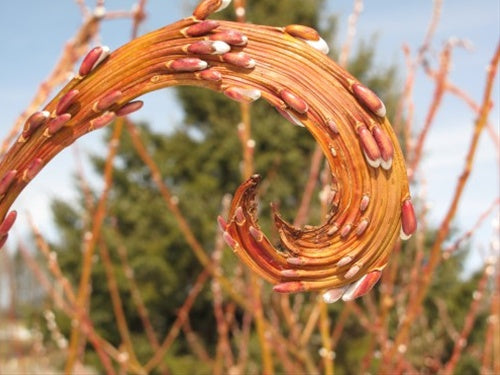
(369, 199)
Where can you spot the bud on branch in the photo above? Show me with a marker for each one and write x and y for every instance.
(287, 67)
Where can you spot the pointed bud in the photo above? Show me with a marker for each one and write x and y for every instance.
(344, 261)
(365, 201)
(222, 223)
(207, 7)
(66, 101)
(333, 295)
(239, 59)
(289, 273)
(8, 222)
(210, 75)
(99, 122)
(408, 219)
(93, 59)
(107, 100)
(243, 95)
(352, 272)
(7, 181)
(129, 108)
(289, 287)
(368, 99)
(34, 122)
(56, 124)
(294, 101)
(229, 240)
(32, 170)
(362, 225)
(362, 286)
(296, 261)
(239, 216)
(207, 47)
(385, 146)
(333, 126)
(231, 37)
(303, 32)
(255, 233)
(188, 64)
(346, 229)
(201, 28)
(332, 230)
(370, 147)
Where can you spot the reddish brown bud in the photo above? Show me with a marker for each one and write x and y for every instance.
(352, 271)
(243, 95)
(229, 240)
(365, 201)
(231, 37)
(333, 230)
(293, 101)
(303, 32)
(256, 234)
(346, 229)
(210, 75)
(207, 7)
(208, 47)
(345, 261)
(33, 122)
(296, 261)
(239, 216)
(99, 122)
(66, 101)
(289, 273)
(333, 126)
(93, 59)
(362, 225)
(362, 286)
(201, 28)
(107, 100)
(369, 99)
(32, 170)
(385, 146)
(408, 219)
(129, 108)
(222, 223)
(289, 287)
(8, 222)
(6, 181)
(369, 146)
(333, 295)
(188, 64)
(55, 124)
(239, 59)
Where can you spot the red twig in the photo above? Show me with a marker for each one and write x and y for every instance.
(477, 297)
(435, 253)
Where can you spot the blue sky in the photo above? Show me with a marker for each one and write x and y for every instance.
(33, 33)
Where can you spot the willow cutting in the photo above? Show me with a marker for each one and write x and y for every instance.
(370, 205)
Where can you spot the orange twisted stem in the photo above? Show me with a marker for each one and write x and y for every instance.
(369, 199)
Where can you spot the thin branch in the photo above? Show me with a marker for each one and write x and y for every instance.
(90, 244)
(435, 253)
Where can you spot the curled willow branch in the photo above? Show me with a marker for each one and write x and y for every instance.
(369, 199)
